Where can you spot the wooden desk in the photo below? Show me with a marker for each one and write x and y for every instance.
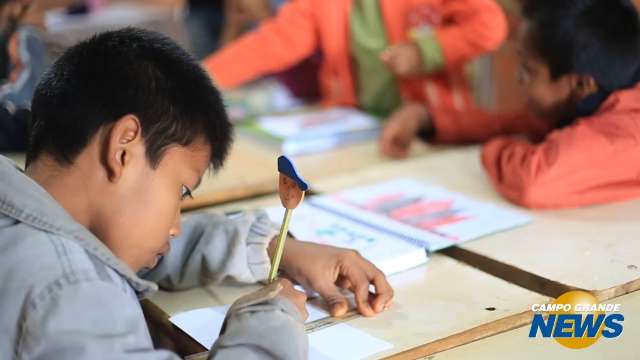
(593, 248)
(516, 344)
(586, 248)
(437, 306)
(251, 169)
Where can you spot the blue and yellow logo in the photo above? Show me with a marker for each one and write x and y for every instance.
(576, 320)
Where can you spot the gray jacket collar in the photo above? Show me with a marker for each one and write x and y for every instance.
(26, 201)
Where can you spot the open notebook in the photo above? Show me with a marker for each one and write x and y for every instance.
(316, 131)
(393, 223)
(389, 253)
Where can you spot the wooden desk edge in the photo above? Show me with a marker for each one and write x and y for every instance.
(184, 344)
(477, 333)
(467, 336)
(165, 335)
(531, 281)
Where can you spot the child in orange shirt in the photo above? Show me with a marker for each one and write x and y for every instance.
(581, 69)
(394, 58)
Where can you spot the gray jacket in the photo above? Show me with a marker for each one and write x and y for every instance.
(64, 295)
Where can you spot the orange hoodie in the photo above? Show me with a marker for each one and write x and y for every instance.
(464, 29)
(595, 160)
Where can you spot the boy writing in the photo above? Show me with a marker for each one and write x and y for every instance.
(124, 126)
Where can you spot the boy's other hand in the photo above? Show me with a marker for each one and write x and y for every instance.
(327, 269)
(402, 127)
(403, 59)
(299, 299)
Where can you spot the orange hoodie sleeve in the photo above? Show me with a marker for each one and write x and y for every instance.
(470, 29)
(583, 164)
(276, 45)
(475, 126)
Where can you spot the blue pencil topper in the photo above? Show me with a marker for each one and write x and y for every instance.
(287, 167)
(291, 186)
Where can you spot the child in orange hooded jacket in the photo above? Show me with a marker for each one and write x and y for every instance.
(394, 58)
(581, 68)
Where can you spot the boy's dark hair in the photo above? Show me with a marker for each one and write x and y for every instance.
(127, 71)
(600, 38)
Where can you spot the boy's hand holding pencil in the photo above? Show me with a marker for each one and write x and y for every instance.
(324, 269)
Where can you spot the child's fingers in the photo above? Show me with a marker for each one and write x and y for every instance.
(298, 298)
(338, 304)
(397, 151)
(396, 147)
(387, 146)
(384, 292)
(361, 290)
(385, 56)
(385, 139)
(389, 56)
(391, 142)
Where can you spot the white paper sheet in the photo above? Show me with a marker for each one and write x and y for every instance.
(342, 341)
(339, 341)
(203, 325)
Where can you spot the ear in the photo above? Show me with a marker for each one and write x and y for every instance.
(582, 86)
(124, 136)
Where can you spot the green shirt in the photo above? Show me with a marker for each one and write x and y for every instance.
(375, 85)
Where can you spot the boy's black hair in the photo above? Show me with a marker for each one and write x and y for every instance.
(600, 38)
(127, 71)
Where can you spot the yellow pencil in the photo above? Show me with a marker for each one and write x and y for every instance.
(291, 188)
